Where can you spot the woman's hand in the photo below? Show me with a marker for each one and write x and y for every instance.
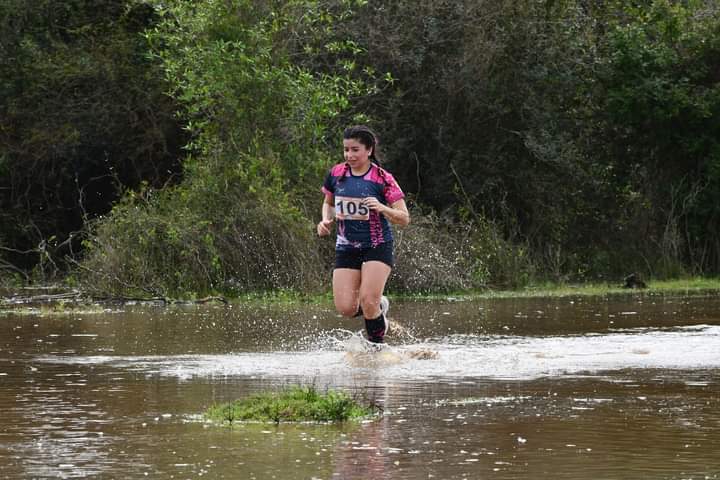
(397, 213)
(374, 204)
(323, 227)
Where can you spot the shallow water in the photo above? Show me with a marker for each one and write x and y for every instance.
(624, 387)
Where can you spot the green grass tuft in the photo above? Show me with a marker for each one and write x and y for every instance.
(293, 404)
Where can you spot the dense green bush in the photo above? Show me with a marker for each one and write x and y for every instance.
(239, 222)
(83, 115)
(657, 94)
(214, 233)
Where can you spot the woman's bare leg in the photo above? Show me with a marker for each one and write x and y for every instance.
(374, 275)
(346, 290)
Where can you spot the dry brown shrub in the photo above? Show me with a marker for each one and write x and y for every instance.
(434, 255)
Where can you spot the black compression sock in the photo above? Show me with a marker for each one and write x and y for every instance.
(376, 329)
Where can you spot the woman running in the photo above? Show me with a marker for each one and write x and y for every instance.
(362, 197)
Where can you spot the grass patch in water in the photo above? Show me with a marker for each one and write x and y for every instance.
(292, 404)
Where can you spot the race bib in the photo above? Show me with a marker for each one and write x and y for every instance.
(351, 208)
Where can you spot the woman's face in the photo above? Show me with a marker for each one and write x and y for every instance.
(356, 153)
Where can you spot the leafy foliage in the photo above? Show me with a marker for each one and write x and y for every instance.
(257, 123)
(214, 233)
(658, 94)
(83, 116)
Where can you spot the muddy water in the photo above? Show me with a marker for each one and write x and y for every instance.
(615, 388)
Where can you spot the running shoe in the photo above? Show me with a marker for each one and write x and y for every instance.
(384, 305)
(384, 309)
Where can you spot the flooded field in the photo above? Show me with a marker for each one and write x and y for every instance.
(565, 388)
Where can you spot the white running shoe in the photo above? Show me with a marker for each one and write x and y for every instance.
(384, 309)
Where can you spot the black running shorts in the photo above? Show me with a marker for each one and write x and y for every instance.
(355, 257)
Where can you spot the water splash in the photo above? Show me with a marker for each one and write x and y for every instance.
(457, 356)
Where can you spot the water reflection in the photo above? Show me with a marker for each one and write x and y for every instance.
(560, 388)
